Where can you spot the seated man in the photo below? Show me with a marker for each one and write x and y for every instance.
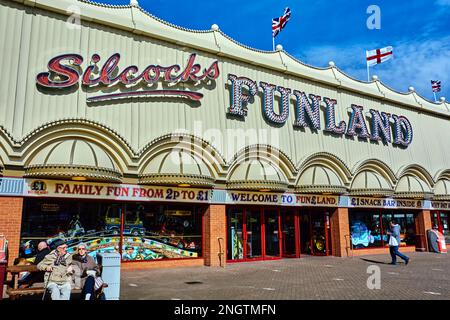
(59, 271)
(36, 277)
(86, 272)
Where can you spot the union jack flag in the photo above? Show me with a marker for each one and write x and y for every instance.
(436, 85)
(279, 23)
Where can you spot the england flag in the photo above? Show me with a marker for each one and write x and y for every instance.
(379, 55)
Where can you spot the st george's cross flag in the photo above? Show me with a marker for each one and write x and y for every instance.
(436, 85)
(279, 23)
(377, 56)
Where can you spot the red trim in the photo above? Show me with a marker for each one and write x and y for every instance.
(159, 260)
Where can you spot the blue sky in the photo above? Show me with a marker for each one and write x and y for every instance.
(324, 30)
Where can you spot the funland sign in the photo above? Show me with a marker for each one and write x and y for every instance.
(65, 71)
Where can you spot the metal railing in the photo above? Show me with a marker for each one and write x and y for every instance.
(348, 244)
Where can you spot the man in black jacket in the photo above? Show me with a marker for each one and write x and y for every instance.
(36, 277)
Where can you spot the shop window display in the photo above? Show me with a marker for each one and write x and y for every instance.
(72, 221)
(162, 232)
(369, 228)
(146, 231)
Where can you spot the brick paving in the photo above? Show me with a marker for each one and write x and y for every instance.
(426, 277)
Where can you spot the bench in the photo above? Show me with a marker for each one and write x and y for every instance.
(13, 291)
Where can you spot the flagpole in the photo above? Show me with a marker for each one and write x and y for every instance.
(368, 69)
(273, 43)
(368, 73)
(435, 100)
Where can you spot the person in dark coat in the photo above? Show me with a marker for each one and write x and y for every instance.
(36, 277)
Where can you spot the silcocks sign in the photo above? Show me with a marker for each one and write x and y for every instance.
(65, 71)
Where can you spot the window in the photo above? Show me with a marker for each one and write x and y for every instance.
(150, 231)
(365, 230)
(72, 221)
(368, 228)
(162, 232)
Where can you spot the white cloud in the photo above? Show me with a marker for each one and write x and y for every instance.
(414, 64)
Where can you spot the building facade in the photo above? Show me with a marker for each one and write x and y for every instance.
(184, 147)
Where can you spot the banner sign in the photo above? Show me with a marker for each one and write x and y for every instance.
(283, 199)
(89, 190)
(130, 192)
(440, 205)
(387, 203)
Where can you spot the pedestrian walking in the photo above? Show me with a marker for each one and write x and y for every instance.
(394, 243)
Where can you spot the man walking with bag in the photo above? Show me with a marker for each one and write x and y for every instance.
(394, 243)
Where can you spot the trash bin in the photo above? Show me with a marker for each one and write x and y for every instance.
(110, 274)
(436, 241)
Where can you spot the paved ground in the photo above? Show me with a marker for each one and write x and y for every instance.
(427, 276)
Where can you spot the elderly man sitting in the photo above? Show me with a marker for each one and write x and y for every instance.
(58, 276)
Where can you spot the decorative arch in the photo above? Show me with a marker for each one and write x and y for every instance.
(256, 173)
(377, 166)
(417, 171)
(73, 158)
(442, 174)
(83, 129)
(329, 161)
(189, 143)
(266, 153)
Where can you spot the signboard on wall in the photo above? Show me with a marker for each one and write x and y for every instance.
(386, 203)
(127, 192)
(440, 205)
(281, 199)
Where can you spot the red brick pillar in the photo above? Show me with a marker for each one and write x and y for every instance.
(214, 236)
(339, 232)
(423, 223)
(10, 224)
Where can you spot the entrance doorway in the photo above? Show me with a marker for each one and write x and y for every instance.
(261, 234)
(315, 232)
(274, 233)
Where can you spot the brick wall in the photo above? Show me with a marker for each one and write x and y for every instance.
(339, 231)
(423, 223)
(385, 251)
(162, 264)
(215, 231)
(10, 224)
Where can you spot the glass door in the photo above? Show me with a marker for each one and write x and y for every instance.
(235, 235)
(289, 236)
(320, 233)
(271, 233)
(253, 239)
(444, 226)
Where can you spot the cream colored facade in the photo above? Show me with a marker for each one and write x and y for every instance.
(61, 135)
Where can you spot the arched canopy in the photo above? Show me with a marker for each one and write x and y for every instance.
(330, 161)
(176, 167)
(73, 158)
(442, 190)
(319, 179)
(370, 183)
(257, 174)
(410, 186)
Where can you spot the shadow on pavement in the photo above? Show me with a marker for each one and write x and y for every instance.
(374, 261)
